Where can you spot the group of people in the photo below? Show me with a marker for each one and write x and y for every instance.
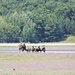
(23, 47)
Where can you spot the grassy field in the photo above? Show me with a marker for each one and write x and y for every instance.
(37, 64)
(69, 39)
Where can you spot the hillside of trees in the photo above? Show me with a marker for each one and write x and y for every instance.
(36, 20)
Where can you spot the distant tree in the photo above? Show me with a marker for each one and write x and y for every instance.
(36, 20)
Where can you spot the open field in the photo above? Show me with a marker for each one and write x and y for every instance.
(69, 39)
(37, 64)
(49, 46)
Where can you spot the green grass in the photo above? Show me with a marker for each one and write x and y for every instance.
(69, 39)
(3, 47)
(40, 74)
(37, 64)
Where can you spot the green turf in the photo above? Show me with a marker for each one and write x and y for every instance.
(39, 74)
(3, 47)
(36, 64)
(69, 39)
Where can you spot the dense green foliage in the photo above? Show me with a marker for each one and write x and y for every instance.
(36, 20)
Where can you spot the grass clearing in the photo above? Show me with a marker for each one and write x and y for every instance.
(52, 45)
(3, 47)
(69, 39)
(37, 64)
(41, 74)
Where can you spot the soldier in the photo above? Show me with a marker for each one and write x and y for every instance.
(33, 49)
(38, 49)
(43, 48)
(20, 46)
(24, 47)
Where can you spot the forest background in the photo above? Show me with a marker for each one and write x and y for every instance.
(36, 20)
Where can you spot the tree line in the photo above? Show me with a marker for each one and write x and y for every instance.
(36, 20)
